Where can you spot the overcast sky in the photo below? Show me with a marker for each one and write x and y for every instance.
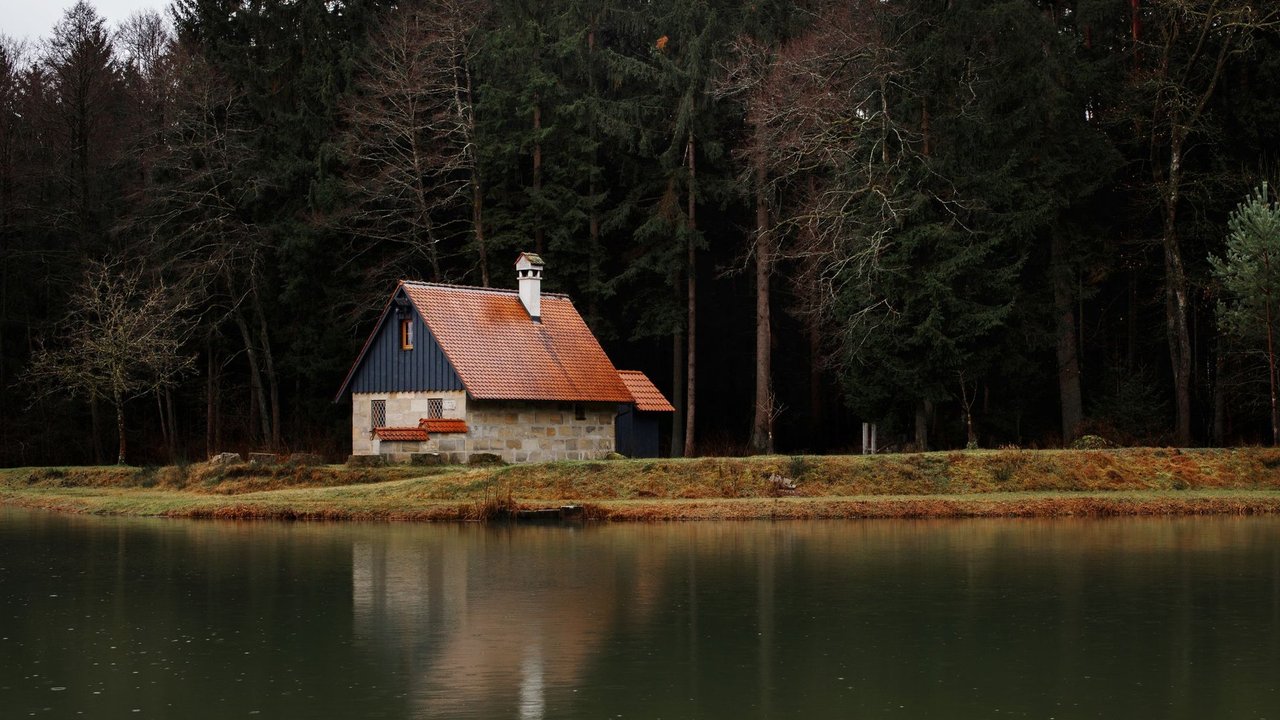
(34, 19)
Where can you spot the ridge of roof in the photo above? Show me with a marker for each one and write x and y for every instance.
(477, 288)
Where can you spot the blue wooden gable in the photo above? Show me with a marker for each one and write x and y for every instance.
(384, 367)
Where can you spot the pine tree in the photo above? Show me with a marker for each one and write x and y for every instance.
(86, 83)
(1249, 275)
(694, 37)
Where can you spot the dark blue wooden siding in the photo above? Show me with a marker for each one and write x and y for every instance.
(636, 433)
(387, 368)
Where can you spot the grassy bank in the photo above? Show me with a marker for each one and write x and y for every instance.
(1013, 483)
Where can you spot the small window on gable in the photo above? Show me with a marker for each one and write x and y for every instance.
(377, 414)
(435, 408)
(406, 333)
(579, 411)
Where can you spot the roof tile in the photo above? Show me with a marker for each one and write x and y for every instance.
(500, 353)
(443, 425)
(648, 398)
(401, 433)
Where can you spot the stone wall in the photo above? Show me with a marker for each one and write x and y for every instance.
(516, 431)
(404, 409)
(527, 431)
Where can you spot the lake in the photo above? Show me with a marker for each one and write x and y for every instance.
(125, 618)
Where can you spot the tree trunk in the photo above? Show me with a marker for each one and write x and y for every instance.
(1219, 397)
(477, 194)
(119, 401)
(926, 145)
(678, 360)
(922, 425)
(1176, 301)
(593, 218)
(217, 408)
(813, 325)
(95, 419)
(1271, 354)
(1068, 360)
(255, 378)
(762, 423)
(209, 405)
(966, 407)
(477, 224)
(423, 236)
(817, 402)
(1131, 349)
(1179, 127)
(691, 328)
(173, 424)
(273, 384)
(164, 424)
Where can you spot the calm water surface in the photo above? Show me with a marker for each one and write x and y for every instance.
(1167, 618)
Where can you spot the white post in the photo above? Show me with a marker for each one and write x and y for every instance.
(873, 438)
(866, 436)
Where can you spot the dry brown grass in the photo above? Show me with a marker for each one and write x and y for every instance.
(989, 506)
(206, 478)
(949, 484)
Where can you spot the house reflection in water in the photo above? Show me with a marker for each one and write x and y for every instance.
(498, 621)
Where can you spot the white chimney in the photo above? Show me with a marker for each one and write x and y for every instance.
(529, 273)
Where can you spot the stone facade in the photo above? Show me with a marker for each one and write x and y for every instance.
(530, 431)
(516, 430)
(404, 409)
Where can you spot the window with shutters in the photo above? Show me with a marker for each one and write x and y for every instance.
(377, 414)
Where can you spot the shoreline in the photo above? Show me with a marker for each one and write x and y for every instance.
(994, 505)
(958, 484)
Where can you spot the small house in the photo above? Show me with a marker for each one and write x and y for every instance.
(459, 370)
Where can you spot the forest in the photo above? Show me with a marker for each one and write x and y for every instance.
(991, 223)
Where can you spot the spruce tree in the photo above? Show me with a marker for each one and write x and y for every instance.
(1249, 275)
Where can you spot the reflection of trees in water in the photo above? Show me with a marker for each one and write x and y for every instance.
(760, 619)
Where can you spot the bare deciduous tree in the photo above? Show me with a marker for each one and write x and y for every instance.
(410, 130)
(145, 42)
(827, 163)
(121, 339)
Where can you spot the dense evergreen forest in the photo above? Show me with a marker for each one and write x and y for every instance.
(984, 223)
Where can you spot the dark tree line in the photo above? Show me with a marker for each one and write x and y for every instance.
(975, 223)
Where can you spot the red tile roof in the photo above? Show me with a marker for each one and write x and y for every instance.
(443, 425)
(500, 353)
(648, 398)
(401, 433)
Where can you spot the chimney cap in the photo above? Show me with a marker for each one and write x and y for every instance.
(530, 258)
